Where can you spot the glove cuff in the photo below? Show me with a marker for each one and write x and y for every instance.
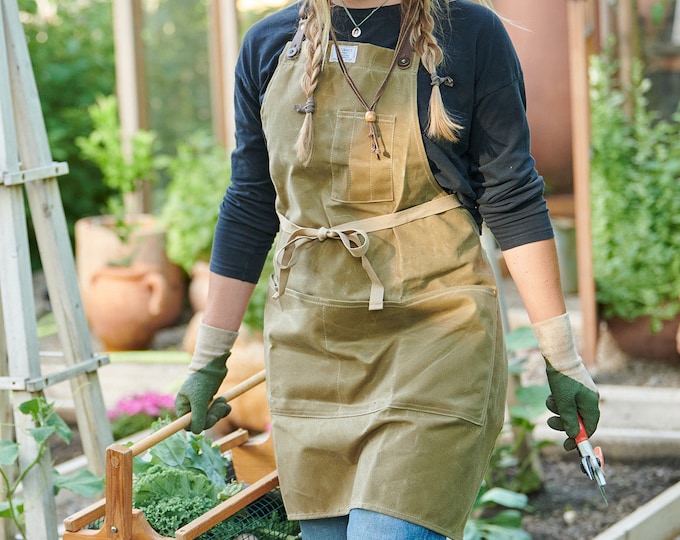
(556, 342)
(211, 342)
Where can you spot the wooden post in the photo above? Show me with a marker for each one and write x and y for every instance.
(130, 85)
(605, 22)
(56, 253)
(576, 13)
(118, 520)
(224, 45)
(6, 418)
(626, 42)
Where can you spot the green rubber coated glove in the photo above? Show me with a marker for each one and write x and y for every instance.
(574, 393)
(207, 370)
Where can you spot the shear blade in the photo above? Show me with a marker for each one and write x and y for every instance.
(604, 495)
(587, 467)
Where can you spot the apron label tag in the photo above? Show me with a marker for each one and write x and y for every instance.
(348, 52)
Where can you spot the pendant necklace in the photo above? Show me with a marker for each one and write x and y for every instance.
(370, 116)
(356, 32)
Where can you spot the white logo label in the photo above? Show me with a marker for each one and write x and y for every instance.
(348, 52)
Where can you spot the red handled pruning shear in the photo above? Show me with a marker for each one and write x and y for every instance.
(592, 459)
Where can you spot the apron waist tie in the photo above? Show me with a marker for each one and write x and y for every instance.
(354, 237)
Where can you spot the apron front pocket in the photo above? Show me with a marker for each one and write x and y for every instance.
(436, 354)
(358, 175)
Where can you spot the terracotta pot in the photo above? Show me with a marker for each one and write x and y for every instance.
(97, 245)
(125, 305)
(635, 338)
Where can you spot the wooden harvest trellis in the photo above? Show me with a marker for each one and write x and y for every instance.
(26, 167)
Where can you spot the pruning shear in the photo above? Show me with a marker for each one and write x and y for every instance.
(592, 459)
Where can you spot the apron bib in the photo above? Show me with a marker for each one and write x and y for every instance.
(385, 356)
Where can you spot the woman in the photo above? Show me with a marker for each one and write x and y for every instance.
(376, 135)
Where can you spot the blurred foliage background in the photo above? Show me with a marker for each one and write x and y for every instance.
(72, 50)
(73, 60)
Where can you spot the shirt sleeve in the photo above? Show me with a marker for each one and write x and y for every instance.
(509, 190)
(247, 222)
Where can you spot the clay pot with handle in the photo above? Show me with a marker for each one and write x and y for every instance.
(98, 245)
(125, 305)
(636, 338)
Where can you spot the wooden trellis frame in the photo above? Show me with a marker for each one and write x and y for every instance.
(27, 169)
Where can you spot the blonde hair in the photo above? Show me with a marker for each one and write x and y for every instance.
(421, 15)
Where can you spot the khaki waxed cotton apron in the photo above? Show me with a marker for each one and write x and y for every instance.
(395, 408)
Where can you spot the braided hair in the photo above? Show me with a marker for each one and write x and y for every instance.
(420, 16)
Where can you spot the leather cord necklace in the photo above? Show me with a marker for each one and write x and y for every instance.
(356, 32)
(371, 117)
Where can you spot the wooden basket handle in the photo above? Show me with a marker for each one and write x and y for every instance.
(121, 522)
(184, 421)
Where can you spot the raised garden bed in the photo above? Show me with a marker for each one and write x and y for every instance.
(659, 518)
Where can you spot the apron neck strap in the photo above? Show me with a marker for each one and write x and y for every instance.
(298, 38)
(403, 54)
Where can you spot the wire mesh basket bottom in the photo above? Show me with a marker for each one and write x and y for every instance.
(263, 519)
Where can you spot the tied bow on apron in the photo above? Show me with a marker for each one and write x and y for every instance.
(354, 237)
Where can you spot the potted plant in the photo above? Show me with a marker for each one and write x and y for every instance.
(123, 249)
(199, 175)
(635, 187)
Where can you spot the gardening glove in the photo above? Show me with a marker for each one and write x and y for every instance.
(574, 393)
(207, 370)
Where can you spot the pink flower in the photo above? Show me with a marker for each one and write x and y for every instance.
(150, 403)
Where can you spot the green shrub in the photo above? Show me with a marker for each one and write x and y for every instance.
(635, 174)
(199, 175)
(73, 61)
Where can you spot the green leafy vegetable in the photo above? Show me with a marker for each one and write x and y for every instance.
(159, 483)
(168, 515)
(505, 524)
(191, 452)
(181, 478)
(184, 476)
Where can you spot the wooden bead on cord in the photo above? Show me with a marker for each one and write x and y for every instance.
(370, 116)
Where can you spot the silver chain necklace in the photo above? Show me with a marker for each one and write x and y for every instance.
(356, 32)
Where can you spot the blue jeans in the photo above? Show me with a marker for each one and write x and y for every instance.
(365, 525)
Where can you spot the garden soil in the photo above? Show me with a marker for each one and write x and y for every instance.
(569, 505)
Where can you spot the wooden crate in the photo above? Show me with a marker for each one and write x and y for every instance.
(253, 462)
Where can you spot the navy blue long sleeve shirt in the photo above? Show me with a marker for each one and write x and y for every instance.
(490, 167)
